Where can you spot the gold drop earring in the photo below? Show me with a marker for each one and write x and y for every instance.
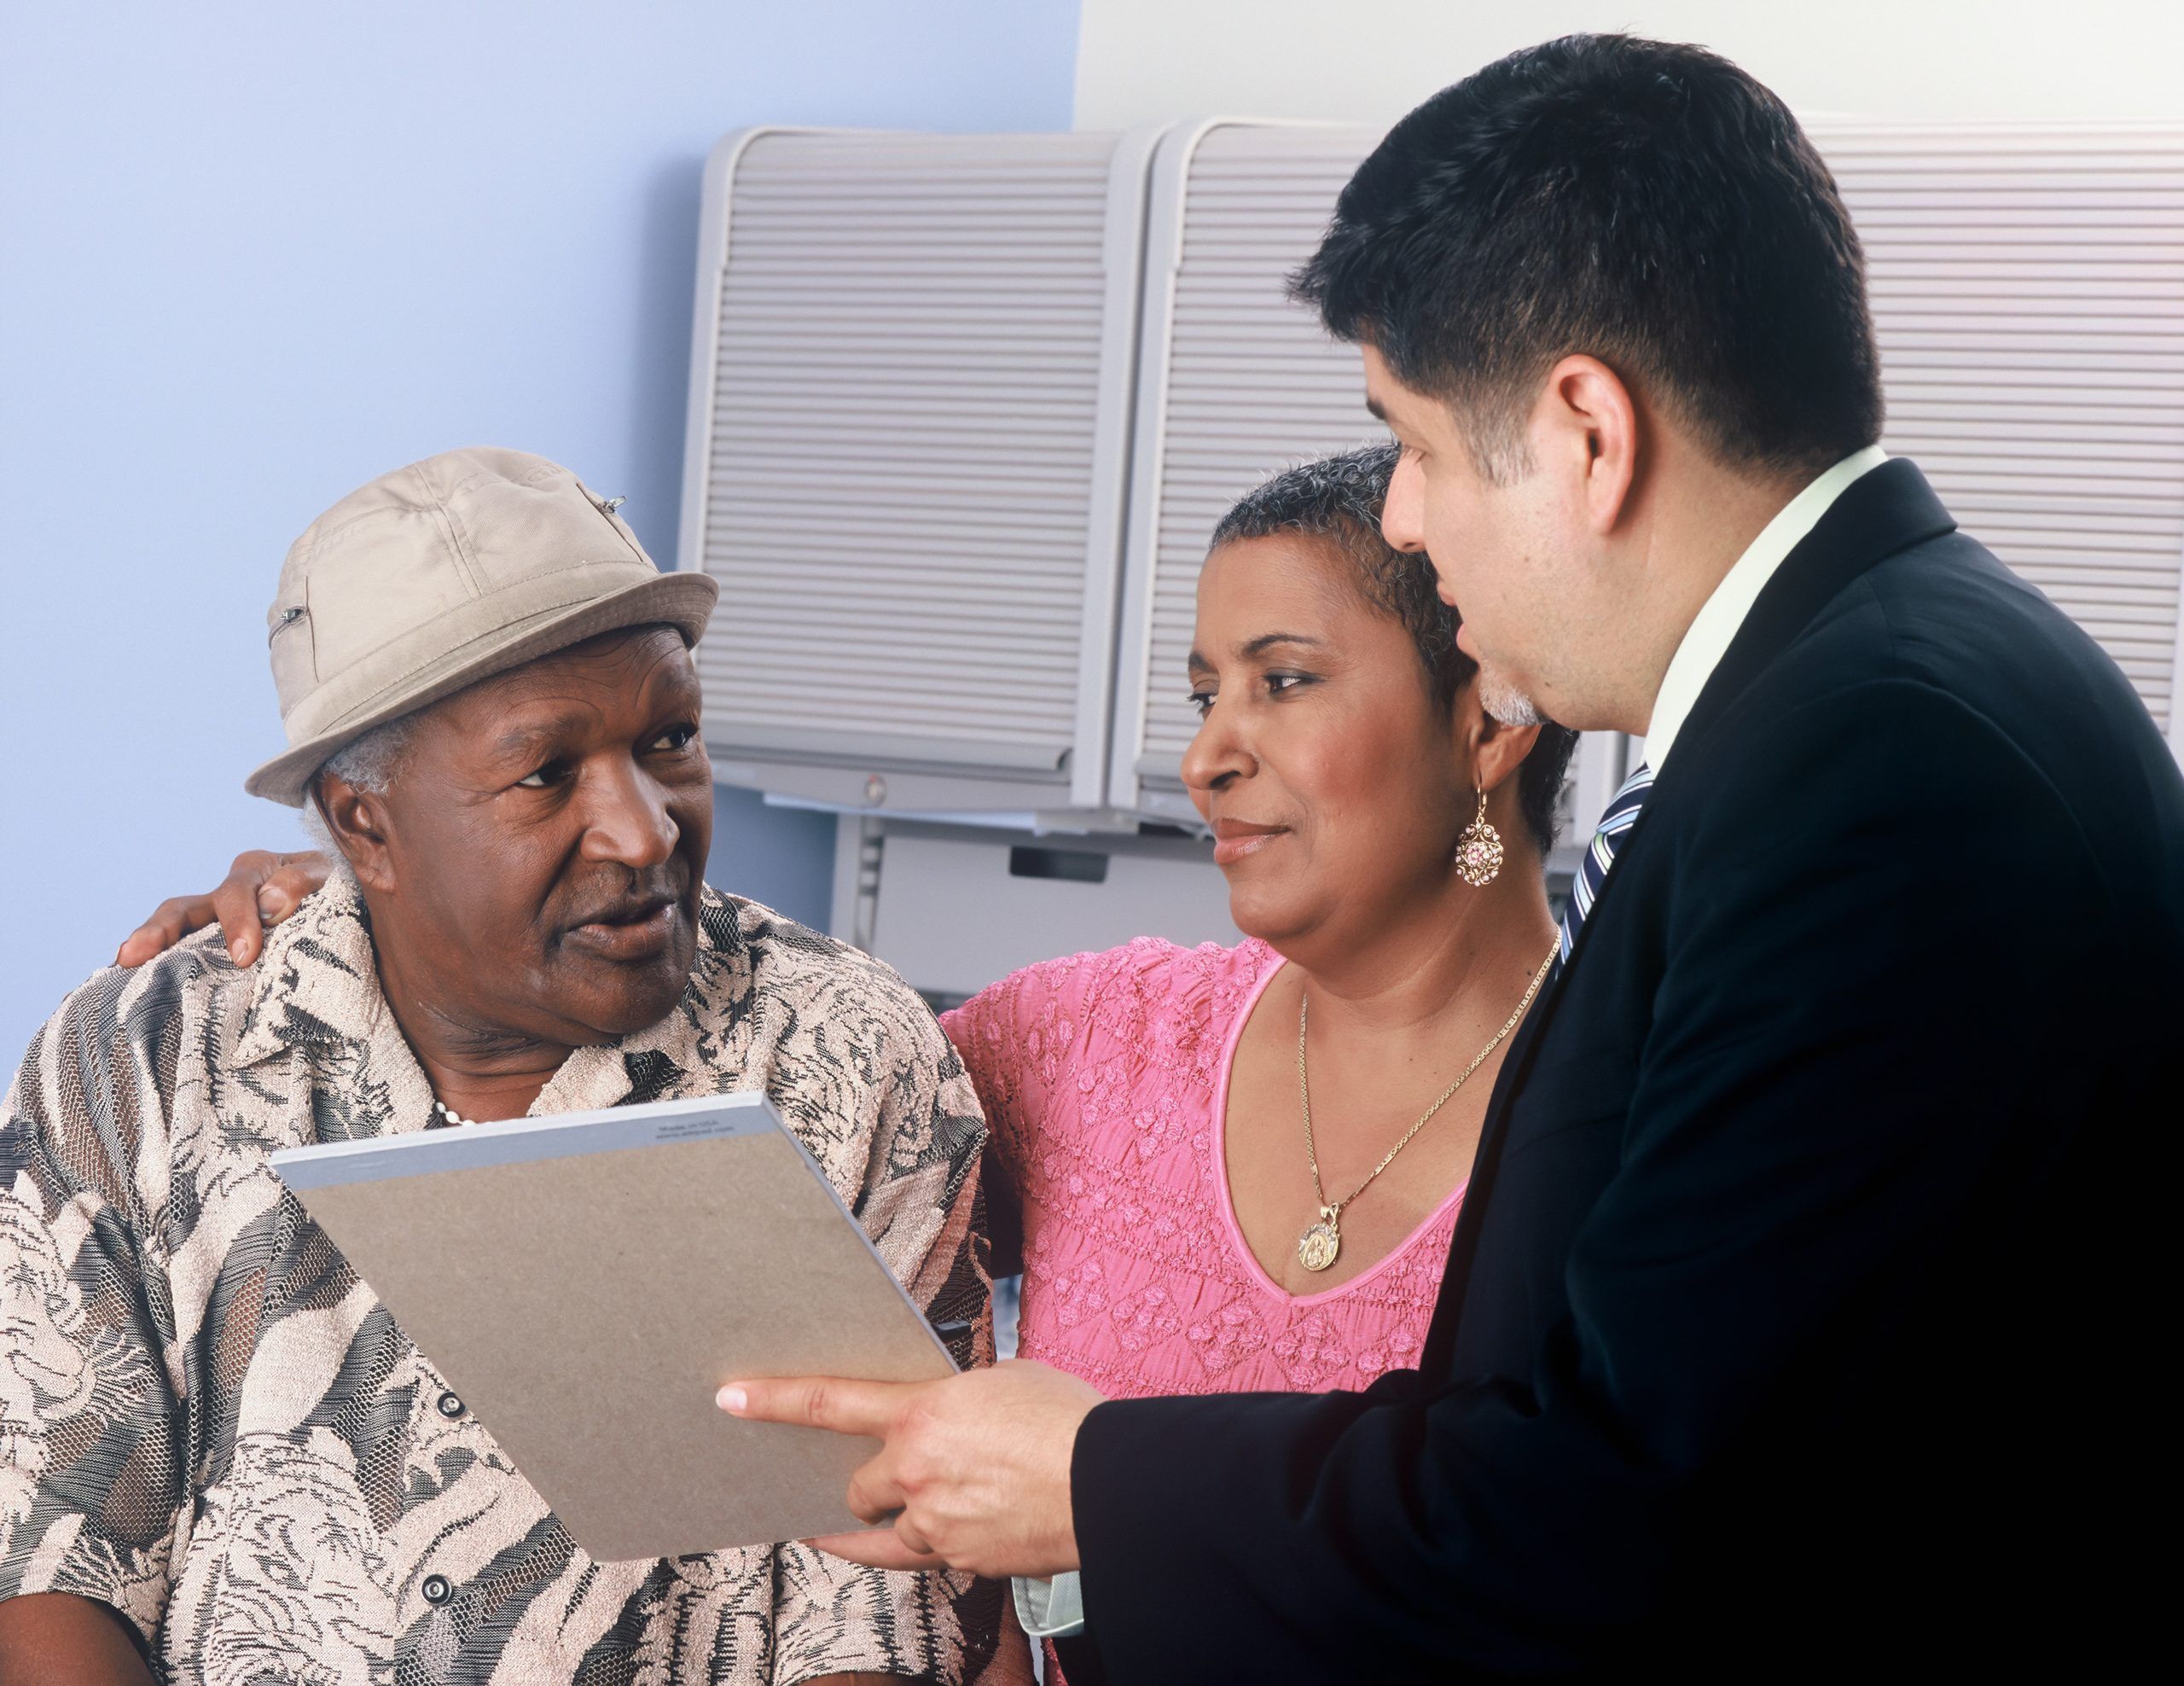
(1479, 850)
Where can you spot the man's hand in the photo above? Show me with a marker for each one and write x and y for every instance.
(975, 1472)
(261, 889)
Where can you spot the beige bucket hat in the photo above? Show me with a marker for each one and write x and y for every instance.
(438, 575)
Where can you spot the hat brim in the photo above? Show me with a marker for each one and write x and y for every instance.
(683, 601)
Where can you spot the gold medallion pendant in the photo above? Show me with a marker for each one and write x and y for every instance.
(1320, 1246)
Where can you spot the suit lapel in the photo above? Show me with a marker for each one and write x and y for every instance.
(1509, 1082)
(1885, 510)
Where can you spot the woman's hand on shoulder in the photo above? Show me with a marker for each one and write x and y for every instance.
(261, 889)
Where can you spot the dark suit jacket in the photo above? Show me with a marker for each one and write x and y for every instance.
(1793, 1321)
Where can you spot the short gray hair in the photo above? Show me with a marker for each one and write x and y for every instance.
(368, 762)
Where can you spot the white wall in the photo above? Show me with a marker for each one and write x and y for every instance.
(1142, 62)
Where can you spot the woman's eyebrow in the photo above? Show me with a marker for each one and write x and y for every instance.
(1198, 662)
(1267, 641)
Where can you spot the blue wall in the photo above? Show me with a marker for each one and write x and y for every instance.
(252, 255)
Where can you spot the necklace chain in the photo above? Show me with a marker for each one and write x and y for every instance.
(449, 1113)
(1330, 1211)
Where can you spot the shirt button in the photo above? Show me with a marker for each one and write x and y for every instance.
(451, 1407)
(437, 1590)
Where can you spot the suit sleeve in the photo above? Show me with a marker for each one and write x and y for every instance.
(1874, 933)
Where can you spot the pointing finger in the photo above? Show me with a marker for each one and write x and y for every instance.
(845, 1407)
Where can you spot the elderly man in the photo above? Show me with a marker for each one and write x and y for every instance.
(223, 1457)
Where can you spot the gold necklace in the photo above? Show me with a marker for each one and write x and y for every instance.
(1320, 1244)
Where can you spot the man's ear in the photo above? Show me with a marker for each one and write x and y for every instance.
(357, 821)
(1588, 421)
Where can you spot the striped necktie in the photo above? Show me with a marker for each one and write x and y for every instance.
(1592, 868)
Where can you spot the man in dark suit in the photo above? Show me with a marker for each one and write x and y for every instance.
(1792, 1319)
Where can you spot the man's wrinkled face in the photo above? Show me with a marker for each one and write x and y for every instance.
(1494, 545)
(547, 836)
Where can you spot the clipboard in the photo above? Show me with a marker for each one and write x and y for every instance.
(586, 1282)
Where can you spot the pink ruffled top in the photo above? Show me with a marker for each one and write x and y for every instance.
(1103, 1077)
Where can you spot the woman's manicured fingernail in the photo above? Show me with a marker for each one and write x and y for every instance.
(732, 1399)
(237, 950)
(271, 904)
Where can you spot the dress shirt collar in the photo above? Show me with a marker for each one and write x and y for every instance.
(1707, 639)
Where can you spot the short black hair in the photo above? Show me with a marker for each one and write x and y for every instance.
(1645, 203)
(1338, 499)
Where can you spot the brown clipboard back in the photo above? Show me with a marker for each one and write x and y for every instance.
(586, 1282)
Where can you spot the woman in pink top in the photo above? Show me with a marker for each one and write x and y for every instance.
(1146, 1105)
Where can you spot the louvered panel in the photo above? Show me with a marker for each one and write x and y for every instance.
(909, 440)
(1247, 384)
(2028, 292)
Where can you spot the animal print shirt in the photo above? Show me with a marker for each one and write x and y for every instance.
(208, 1423)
